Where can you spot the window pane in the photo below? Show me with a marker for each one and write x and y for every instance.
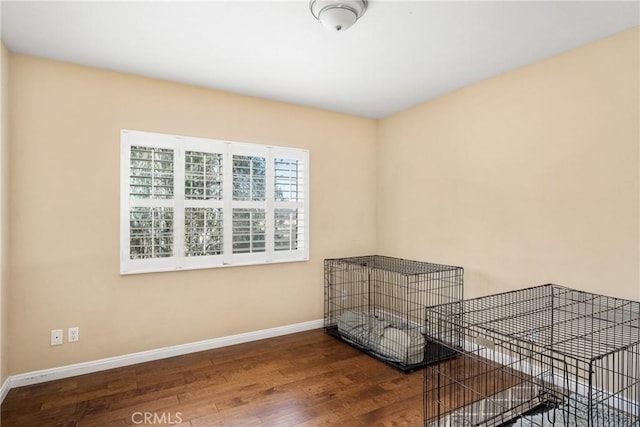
(151, 233)
(202, 176)
(286, 230)
(248, 230)
(191, 203)
(287, 176)
(249, 174)
(203, 231)
(151, 173)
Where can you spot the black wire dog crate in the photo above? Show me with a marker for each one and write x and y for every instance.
(542, 356)
(377, 304)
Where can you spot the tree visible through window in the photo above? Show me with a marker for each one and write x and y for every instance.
(198, 203)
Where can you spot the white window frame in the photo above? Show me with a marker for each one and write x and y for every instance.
(178, 260)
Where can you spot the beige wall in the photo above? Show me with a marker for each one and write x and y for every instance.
(527, 178)
(64, 191)
(4, 229)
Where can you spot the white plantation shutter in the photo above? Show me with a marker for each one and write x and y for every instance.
(249, 178)
(203, 231)
(201, 203)
(151, 173)
(290, 203)
(286, 234)
(249, 231)
(151, 231)
(148, 227)
(203, 175)
(151, 192)
(203, 212)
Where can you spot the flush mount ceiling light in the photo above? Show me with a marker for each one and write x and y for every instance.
(338, 15)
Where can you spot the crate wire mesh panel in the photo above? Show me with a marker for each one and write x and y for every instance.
(542, 356)
(377, 304)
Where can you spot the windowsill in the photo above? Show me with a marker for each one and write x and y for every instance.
(239, 264)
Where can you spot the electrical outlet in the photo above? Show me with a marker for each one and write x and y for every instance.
(73, 334)
(56, 337)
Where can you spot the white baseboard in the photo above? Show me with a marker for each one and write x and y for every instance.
(44, 375)
(6, 386)
(568, 383)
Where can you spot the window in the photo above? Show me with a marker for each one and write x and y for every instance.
(191, 203)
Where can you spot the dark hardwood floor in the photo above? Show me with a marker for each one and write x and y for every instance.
(303, 379)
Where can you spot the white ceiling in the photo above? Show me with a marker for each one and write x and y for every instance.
(399, 54)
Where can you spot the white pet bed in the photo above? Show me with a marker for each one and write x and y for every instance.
(389, 339)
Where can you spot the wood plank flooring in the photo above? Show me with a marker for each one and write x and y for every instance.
(304, 379)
